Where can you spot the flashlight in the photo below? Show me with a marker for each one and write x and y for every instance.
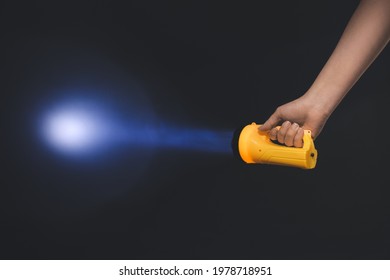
(255, 146)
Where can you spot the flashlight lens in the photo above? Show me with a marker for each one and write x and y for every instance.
(234, 143)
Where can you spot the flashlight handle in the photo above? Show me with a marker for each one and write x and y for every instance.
(307, 137)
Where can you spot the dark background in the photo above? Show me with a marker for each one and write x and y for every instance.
(213, 64)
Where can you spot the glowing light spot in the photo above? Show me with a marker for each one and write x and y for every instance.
(74, 129)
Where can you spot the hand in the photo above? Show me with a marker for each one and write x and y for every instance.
(294, 117)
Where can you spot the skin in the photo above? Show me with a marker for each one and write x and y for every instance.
(365, 36)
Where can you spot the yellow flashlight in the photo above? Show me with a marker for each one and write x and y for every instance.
(255, 146)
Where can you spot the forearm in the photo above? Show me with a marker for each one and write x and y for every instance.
(365, 36)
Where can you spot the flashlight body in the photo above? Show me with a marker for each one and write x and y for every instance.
(255, 146)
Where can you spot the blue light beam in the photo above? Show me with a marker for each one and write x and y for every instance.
(85, 128)
(173, 137)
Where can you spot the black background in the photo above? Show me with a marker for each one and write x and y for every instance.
(214, 64)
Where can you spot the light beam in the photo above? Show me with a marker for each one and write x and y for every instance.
(81, 128)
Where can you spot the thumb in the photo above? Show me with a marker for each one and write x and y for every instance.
(272, 121)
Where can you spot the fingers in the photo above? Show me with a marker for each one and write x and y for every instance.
(273, 134)
(298, 142)
(289, 134)
(283, 131)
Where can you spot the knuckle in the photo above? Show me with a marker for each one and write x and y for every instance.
(288, 141)
(280, 138)
(298, 142)
(281, 133)
(291, 133)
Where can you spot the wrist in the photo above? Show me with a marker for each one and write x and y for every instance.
(324, 100)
